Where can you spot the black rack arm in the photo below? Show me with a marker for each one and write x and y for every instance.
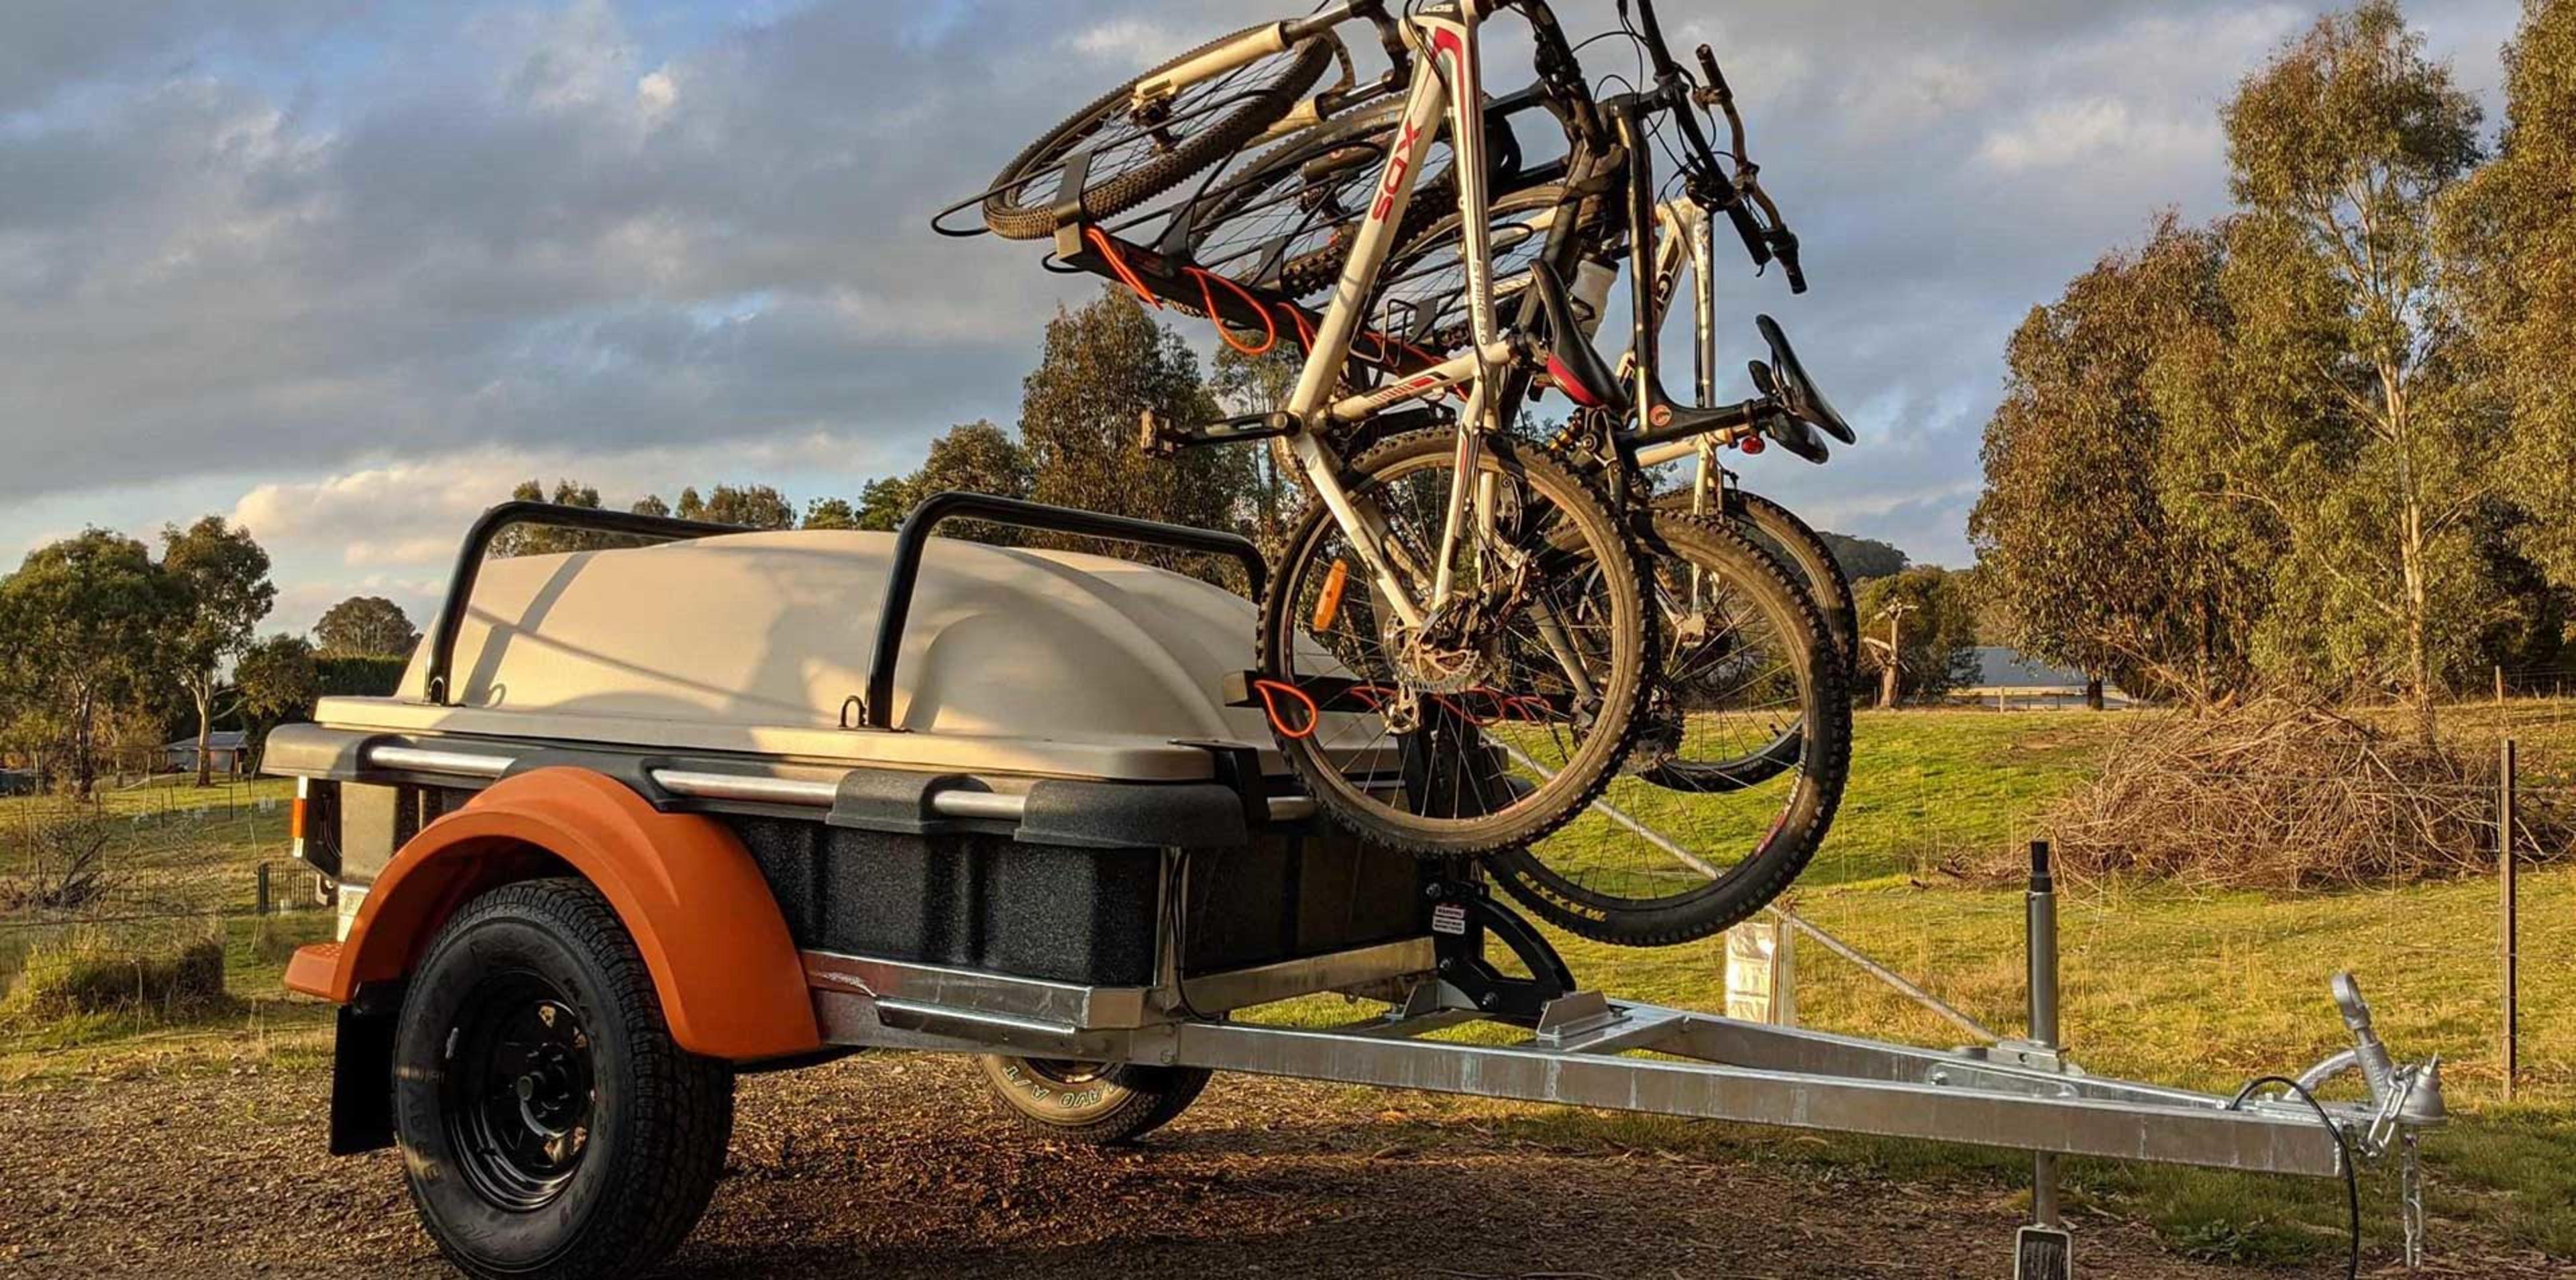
(478, 543)
(914, 537)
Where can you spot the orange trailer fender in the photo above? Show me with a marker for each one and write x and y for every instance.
(731, 982)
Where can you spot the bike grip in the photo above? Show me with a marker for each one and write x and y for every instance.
(1787, 251)
(1714, 78)
(1755, 243)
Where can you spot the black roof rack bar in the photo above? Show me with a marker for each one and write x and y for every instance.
(508, 515)
(957, 504)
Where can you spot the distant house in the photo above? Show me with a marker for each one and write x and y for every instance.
(227, 751)
(2008, 678)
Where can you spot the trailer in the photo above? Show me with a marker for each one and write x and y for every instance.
(638, 822)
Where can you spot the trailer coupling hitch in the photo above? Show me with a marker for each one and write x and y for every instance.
(2404, 1100)
(2401, 1097)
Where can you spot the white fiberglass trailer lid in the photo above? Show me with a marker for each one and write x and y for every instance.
(1049, 663)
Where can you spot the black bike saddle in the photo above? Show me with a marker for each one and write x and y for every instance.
(1797, 391)
(1572, 361)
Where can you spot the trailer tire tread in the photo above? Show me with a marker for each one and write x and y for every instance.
(679, 1106)
(1143, 1099)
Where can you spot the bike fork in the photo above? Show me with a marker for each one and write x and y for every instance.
(1365, 527)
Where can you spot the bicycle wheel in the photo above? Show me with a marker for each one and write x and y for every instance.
(1810, 563)
(1801, 550)
(1746, 663)
(1286, 221)
(1511, 706)
(1421, 295)
(1135, 154)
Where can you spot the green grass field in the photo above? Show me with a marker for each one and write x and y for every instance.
(2199, 990)
(187, 860)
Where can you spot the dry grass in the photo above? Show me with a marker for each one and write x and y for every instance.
(2279, 794)
(90, 972)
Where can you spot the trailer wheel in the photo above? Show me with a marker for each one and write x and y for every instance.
(1101, 1104)
(548, 1123)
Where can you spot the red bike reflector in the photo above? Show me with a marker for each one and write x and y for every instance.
(1751, 444)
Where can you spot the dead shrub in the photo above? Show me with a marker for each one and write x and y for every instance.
(2279, 794)
(90, 972)
(71, 865)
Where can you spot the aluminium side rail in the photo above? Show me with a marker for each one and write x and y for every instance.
(488, 761)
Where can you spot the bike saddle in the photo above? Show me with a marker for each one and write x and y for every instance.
(1797, 391)
(1783, 423)
(1577, 367)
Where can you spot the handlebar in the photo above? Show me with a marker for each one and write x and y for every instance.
(1741, 195)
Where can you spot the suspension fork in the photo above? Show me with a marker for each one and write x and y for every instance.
(1365, 525)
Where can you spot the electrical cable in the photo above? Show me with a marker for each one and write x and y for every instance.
(1176, 920)
(2351, 1179)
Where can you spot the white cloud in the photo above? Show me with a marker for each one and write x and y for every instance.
(353, 270)
(2096, 131)
(1137, 42)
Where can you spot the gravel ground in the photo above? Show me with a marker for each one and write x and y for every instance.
(888, 1166)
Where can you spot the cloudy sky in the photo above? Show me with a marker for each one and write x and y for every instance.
(347, 270)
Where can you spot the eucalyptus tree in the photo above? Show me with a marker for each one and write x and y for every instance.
(2342, 408)
(221, 581)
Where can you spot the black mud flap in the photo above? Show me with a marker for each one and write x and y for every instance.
(362, 1081)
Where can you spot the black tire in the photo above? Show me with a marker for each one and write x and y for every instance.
(1791, 542)
(1097, 1104)
(642, 1124)
(1021, 207)
(1547, 877)
(1311, 191)
(1618, 667)
(1802, 551)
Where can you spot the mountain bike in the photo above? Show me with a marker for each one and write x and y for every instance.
(1446, 587)
(1329, 203)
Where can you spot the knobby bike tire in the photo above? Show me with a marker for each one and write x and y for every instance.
(1825, 761)
(1623, 680)
(1233, 127)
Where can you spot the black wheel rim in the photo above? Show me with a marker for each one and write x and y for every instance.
(519, 1094)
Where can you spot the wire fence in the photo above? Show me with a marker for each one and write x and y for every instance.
(2199, 981)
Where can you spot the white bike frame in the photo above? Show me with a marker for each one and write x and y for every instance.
(1446, 76)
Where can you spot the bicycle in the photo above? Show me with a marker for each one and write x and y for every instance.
(1577, 662)
(1561, 217)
